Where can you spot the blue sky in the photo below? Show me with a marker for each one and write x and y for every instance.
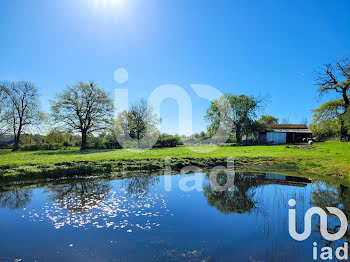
(240, 47)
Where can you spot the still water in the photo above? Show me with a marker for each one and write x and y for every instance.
(139, 219)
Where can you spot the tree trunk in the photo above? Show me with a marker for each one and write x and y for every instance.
(17, 138)
(83, 141)
(138, 139)
(343, 132)
(343, 129)
(346, 98)
(16, 144)
(238, 137)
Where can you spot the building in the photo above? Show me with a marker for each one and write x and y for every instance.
(284, 134)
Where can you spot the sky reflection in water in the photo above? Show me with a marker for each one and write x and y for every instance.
(137, 220)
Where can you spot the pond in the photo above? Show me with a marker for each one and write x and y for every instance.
(164, 218)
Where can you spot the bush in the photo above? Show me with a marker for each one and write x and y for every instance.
(66, 144)
(170, 141)
(96, 143)
(36, 147)
(5, 146)
(77, 143)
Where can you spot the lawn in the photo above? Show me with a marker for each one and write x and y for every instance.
(329, 158)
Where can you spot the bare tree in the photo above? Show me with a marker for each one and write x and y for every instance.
(336, 78)
(84, 108)
(285, 121)
(23, 108)
(3, 107)
(137, 121)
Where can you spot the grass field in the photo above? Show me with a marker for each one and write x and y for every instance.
(329, 158)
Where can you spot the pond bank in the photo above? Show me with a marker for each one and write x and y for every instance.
(121, 168)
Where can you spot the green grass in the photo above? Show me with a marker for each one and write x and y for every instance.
(329, 158)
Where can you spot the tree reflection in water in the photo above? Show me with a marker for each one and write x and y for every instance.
(239, 200)
(140, 186)
(79, 196)
(331, 196)
(15, 199)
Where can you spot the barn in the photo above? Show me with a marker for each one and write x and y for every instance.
(284, 134)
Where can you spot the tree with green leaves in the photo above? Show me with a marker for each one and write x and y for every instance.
(268, 120)
(56, 136)
(347, 118)
(335, 79)
(239, 110)
(83, 108)
(22, 108)
(326, 121)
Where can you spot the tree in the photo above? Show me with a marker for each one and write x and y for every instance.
(55, 136)
(284, 121)
(336, 78)
(240, 111)
(347, 118)
(137, 121)
(326, 121)
(84, 108)
(268, 120)
(3, 106)
(304, 121)
(23, 110)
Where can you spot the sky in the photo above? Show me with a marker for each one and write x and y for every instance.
(268, 48)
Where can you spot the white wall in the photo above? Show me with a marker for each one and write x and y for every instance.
(276, 138)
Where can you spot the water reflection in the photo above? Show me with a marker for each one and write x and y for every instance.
(140, 186)
(239, 199)
(79, 196)
(335, 196)
(94, 203)
(15, 199)
(146, 220)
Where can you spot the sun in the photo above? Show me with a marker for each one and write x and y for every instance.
(107, 3)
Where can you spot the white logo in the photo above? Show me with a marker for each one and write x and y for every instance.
(323, 222)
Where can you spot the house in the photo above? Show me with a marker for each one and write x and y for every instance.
(284, 134)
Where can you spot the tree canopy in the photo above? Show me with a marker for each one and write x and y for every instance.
(22, 109)
(136, 124)
(335, 78)
(326, 121)
(268, 120)
(83, 108)
(239, 110)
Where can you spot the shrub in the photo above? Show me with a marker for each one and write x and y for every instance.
(36, 147)
(170, 141)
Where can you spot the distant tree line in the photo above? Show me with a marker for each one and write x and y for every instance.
(82, 115)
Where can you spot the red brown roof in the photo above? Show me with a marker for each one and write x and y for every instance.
(287, 126)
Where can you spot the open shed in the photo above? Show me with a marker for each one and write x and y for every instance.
(284, 134)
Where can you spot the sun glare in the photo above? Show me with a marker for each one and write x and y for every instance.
(106, 3)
